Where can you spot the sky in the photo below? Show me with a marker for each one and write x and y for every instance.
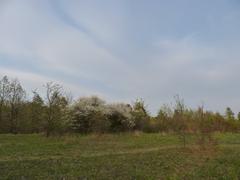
(126, 49)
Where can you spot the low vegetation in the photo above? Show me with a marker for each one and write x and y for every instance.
(117, 156)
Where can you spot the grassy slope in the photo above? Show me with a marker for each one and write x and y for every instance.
(126, 156)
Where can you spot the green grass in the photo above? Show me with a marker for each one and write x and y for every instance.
(119, 156)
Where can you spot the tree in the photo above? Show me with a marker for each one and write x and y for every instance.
(140, 116)
(16, 97)
(4, 96)
(164, 118)
(37, 112)
(239, 116)
(229, 114)
(181, 125)
(55, 105)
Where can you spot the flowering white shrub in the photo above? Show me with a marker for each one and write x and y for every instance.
(93, 114)
(88, 114)
(121, 114)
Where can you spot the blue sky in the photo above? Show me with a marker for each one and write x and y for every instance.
(126, 49)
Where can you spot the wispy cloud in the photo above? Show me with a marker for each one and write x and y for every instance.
(124, 50)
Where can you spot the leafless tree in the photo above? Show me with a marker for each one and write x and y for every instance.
(4, 95)
(181, 125)
(55, 102)
(16, 97)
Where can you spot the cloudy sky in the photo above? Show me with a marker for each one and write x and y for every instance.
(126, 49)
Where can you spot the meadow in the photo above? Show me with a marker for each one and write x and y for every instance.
(117, 156)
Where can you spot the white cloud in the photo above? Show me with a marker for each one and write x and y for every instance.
(33, 81)
(194, 68)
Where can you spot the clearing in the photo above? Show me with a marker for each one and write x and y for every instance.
(117, 156)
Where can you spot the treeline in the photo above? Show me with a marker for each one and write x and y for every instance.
(57, 113)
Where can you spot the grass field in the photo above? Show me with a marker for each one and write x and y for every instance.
(122, 156)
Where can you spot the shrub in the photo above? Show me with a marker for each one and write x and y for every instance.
(120, 117)
(89, 115)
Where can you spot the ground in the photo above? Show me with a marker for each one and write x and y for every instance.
(119, 156)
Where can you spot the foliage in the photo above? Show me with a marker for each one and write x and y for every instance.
(56, 104)
(229, 114)
(120, 117)
(37, 113)
(56, 114)
(140, 116)
(89, 115)
(92, 114)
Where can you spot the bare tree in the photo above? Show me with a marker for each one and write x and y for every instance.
(16, 97)
(56, 103)
(181, 125)
(4, 95)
